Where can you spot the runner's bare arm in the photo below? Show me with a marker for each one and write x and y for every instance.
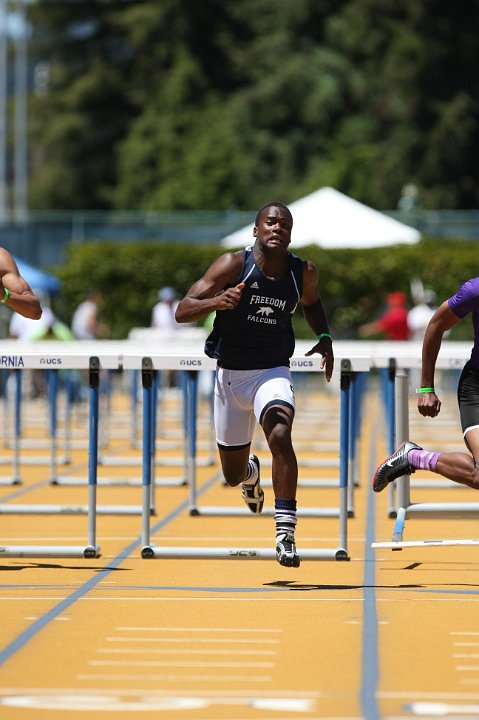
(428, 404)
(316, 317)
(210, 292)
(21, 297)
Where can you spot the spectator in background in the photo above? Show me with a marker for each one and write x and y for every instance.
(393, 324)
(409, 199)
(419, 316)
(163, 313)
(85, 323)
(163, 318)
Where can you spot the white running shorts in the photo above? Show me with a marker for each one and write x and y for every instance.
(240, 398)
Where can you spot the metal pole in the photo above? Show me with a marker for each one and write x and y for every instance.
(20, 119)
(3, 111)
(402, 430)
(147, 383)
(94, 382)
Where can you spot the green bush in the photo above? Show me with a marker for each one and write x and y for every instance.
(352, 283)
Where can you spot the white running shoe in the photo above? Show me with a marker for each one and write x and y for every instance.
(286, 551)
(253, 495)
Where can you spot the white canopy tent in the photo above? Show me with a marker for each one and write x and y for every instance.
(333, 220)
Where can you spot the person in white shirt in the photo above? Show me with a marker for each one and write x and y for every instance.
(85, 323)
(419, 316)
(163, 313)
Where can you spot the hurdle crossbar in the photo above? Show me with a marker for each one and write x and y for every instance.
(225, 553)
(67, 551)
(179, 362)
(400, 545)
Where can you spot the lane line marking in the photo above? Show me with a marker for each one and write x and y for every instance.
(180, 651)
(231, 641)
(154, 677)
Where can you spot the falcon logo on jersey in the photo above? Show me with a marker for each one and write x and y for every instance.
(264, 311)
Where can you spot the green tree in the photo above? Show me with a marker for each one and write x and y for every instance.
(181, 104)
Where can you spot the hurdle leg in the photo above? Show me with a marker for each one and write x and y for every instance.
(67, 439)
(134, 408)
(147, 383)
(353, 435)
(52, 378)
(185, 389)
(153, 416)
(192, 406)
(390, 418)
(401, 423)
(18, 427)
(94, 381)
(345, 390)
(6, 425)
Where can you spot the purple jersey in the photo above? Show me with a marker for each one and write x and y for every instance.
(466, 300)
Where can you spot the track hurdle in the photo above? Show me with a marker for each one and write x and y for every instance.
(68, 355)
(149, 551)
(93, 364)
(312, 364)
(451, 356)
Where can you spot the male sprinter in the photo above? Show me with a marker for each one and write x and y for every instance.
(254, 293)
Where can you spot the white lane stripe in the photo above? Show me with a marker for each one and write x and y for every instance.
(466, 644)
(466, 655)
(68, 538)
(271, 598)
(467, 668)
(159, 692)
(180, 651)
(178, 664)
(210, 641)
(414, 695)
(246, 539)
(147, 677)
(155, 628)
(229, 599)
(458, 632)
(441, 709)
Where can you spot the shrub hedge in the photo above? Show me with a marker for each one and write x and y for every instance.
(353, 283)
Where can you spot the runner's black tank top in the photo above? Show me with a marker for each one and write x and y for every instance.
(258, 333)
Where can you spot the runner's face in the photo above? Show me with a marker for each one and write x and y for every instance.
(274, 227)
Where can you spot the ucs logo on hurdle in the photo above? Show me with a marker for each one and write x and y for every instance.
(50, 361)
(195, 363)
(302, 363)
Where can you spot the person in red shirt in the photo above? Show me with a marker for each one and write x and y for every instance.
(393, 324)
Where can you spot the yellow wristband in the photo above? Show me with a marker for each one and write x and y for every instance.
(6, 296)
